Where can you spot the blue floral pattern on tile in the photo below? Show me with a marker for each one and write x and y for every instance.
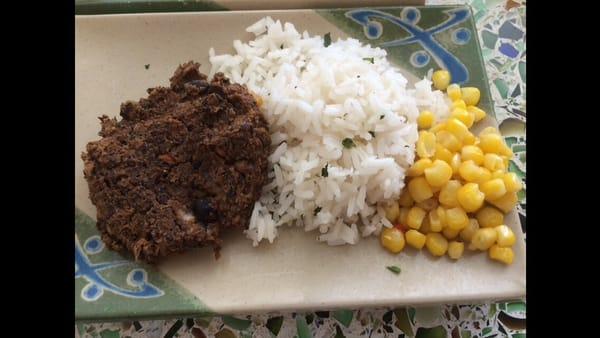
(97, 284)
(408, 20)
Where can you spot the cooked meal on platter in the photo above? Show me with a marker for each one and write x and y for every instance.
(299, 130)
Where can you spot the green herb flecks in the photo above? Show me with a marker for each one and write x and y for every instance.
(381, 117)
(394, 269)
(327, 40)
(371, 60)
(324, 172)
(348, 143)
(147, 66)
(317, 209)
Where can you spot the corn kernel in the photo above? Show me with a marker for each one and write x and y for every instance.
(426, 144)
(456, 219)
(489, 217)
(428, 204)
(437, 127)
(435, 224)
(506, 151)
(471, 247)
(506, 202)
(489, 130)
(498, 174)
(457, 128)
(425, 120)
(455, 163)
(470, 95)
(448, 193)
(483, 175)
(512, 182)
(506, 161)
(493, 162)
(392, 210)
(472, 153)
(506, 237)
(448, 140)
(415, 239)
(491, 143)
(484, 238)
(403, 216)
(463, 116)
(470, 197)
(415, 217)
(442, 153)
(425, 226)
(460, 104)
(456, 249)
(454, 92)
(392, 239)
(418, 168)
(469, 171)
(467, 233)
(438, 174)
(441, 79)
(436, 244)
(441, 212)
(469, 139)
(504, 255)
(419, 189)
(478, 113)
(450, 233)
(493, 189)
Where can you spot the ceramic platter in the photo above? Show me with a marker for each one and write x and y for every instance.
(119, 56)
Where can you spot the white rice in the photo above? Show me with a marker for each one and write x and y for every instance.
(314, 98)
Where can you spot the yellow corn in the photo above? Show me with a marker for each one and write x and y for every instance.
(392, 211)
(436, 244)
(425, 226)
(450, 233)
(493, 189)
(419, 189)
(441, 79)
(484, 238)
(426, 119)
(470, 197)
(442, 153)
(498, 174)
(512, 182)
(483, 175)
(506, 202)
(428, 204)
(478, 113)
(469, 171)
(415, 217)
(493, 162)
(506, 161)
(504, 255)
(469, 139)
(463, 115)
(472, 153)
(506, 237)
(490, 217)
(405, 199)
(438, 174)
(448, 140)
(441, 212)
(454, 92)
(491, 143)
(415, 239)
(470, 95)
(457, 128)
(455, 163)
(506, 151)
(489, 130)
(455, 249)
(435, 223)
(392, 239)
(467, 233)
(437, 127)
(418, 168)
(402, 216)
(426, 144)
(456, 219)
(448, 193)
(459, 104)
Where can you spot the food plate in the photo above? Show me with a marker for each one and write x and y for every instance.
(119, 56)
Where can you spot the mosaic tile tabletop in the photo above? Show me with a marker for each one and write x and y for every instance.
(501, 30)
